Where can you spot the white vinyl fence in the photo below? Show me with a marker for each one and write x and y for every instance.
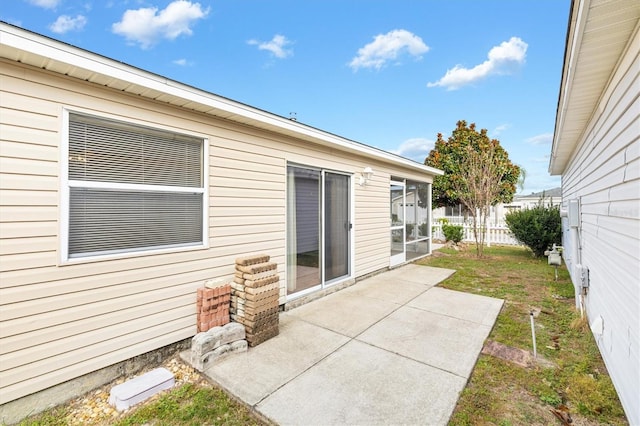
(499, 235)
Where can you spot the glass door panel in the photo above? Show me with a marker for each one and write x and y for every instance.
(337, 226)
(397, 209)
(418, 203)
(303, 229)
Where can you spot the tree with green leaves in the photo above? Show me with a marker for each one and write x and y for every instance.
(478, 174)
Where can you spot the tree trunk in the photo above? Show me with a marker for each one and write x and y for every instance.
(483, 231)
(477, 217)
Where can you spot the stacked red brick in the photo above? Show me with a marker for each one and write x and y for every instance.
(254, 297)
(213, 306)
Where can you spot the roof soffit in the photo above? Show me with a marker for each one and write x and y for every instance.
(599, 33)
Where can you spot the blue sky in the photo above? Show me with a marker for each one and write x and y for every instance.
(389, 73)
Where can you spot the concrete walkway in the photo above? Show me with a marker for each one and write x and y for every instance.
(391, 349)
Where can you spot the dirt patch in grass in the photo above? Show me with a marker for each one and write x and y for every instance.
(508, 353)
(501, 392)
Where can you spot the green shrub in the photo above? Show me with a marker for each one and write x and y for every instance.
(423, 228)
(409, 227)
(538, 228)
(453, 232)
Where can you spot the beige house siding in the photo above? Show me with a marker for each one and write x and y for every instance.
(604, 176)
(59, 320)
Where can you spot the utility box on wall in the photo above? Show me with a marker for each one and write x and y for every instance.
(574, 213)
(583, 276)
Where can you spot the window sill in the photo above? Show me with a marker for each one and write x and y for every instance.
(130, 255)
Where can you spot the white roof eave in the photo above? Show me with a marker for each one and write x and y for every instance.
(37, 50)
(583, 85)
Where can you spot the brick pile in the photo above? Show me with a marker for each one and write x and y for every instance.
(218, 342)
(254, 297)
(213, 305)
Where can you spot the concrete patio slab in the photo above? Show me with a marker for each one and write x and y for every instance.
(335, 312)
(441, 341)
(391, 349)
(253, 375)
(381, 288)
(363, 385)
(420, 274)
(466, 306)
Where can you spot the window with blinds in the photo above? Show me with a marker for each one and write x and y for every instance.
(132, 188)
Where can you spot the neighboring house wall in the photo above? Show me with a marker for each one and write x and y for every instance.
(498, 212)
(60, 321)
(552, 197)
(398, 203)
(597, 152)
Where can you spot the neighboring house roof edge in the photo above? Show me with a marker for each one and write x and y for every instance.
(547, 193)
(27, 47)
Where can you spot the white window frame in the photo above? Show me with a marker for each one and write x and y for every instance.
(66, 184)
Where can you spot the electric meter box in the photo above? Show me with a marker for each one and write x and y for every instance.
(554, 258)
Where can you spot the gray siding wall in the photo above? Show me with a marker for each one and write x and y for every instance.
(604, 175)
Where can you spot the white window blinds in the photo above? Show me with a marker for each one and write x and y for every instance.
(132, 188)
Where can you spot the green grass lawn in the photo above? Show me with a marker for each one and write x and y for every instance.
(190, 404)
(503, 393)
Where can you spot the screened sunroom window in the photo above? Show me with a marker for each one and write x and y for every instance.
(132, 188)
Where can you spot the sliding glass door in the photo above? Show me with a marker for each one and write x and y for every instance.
(318, 228)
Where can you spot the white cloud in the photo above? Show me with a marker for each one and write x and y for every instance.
(182, 62)
(66, 23)
(388, 47)
(500, 60)
(276, 46)
(415, 148)
(501, 128)
(542, 139)
(147, 26)
(47, 4)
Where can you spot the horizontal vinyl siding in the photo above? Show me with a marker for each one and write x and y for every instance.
(373, 240)
(28, 183)
(58, 322)
(604, 175)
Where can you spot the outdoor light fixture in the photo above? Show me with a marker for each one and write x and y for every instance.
(365, 176)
